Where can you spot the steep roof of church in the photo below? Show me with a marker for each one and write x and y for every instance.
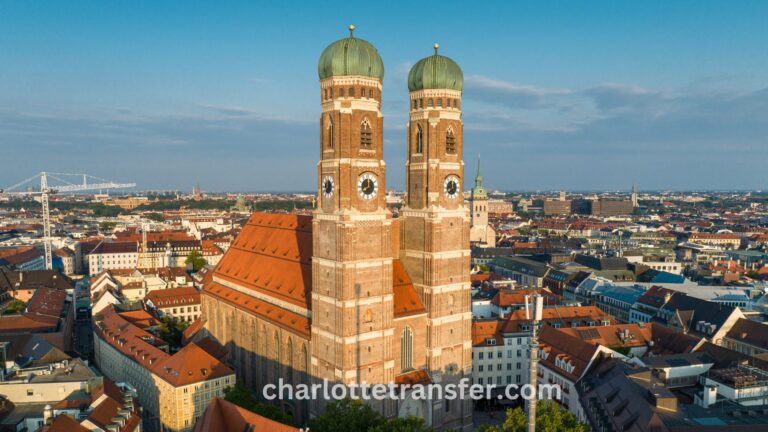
(273, 256)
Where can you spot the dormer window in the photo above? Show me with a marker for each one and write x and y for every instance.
(490, 341)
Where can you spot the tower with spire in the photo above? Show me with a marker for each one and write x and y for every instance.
(480, 231)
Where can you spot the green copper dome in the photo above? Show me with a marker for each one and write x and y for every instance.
(436, 72)
(350, 56)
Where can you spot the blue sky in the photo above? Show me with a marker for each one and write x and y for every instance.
(558, 95)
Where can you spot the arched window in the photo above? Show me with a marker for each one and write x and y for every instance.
(289, 361)
(430, 103)
(370, 93)
(419, 139)
(440, 102)
(406, 350)
(366, 135)
(421, 103)
(276, 356)
(450, 142)
(415, 104)
(330, 132)
(351, 92)
(341, 92)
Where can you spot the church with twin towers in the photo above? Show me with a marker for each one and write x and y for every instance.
(352, 294)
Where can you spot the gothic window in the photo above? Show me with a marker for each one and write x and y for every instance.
(330, 132)
(415, 104)
(421, 103)
(419, 139)
(448, 103)
(406, 350)
(263, 343)
(450, 142)
(289, 361)
(276, 356)
(366, 135)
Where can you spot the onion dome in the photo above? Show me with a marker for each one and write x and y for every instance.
(436, 72)
(350, 57)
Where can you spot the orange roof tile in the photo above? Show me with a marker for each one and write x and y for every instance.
(406, 300)
(272, 255)
(64, 423)
(223, 416)
(174, 297)
(189, 365)
(413, 377)
(286, 319)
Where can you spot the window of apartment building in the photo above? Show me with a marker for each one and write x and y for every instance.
(518, 365)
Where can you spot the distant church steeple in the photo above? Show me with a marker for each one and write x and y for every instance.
(479, 190)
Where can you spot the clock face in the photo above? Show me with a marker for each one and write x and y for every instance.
(367, 186)
(327, 186)
(451, 186)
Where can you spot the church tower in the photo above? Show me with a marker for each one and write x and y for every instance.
(434, 239)
(480, 232)
(352, 294)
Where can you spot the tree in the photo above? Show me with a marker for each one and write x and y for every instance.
(549, 418)
(171, 330)
(350, 415)
(15, 306)
(409, 424)
(346, 416)
(240, 396)
(196, 260)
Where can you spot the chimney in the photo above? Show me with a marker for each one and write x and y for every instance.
(47, 414)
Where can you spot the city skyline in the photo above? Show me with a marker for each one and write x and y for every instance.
(580, 98)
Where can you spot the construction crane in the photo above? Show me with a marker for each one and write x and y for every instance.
(47, 189)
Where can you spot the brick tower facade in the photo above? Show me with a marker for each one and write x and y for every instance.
(434, 237)
(352, 296)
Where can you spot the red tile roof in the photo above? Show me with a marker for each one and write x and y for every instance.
(223, 416)
(273, 256)
(189, 365)
(507, 297)
(559, 344)
(413, 377)
(140, 318)
(406, 300)
(174, 297)
(64, 423)
(288, 320)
